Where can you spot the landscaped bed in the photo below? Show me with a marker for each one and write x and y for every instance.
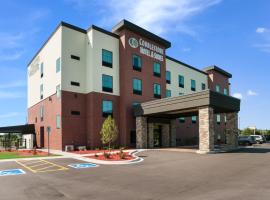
(13, 154)
(92, 151)
(112, 156)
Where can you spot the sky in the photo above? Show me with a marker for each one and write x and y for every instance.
(232, 34)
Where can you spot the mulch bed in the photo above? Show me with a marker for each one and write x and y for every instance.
(92, 151)
(27, 152)
(113, 157)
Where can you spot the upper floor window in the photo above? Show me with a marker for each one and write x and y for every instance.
(137, 86)
(74, 57)
(157, 91)
(73, 112)
(168, 93)
(218, 119)
(182, 120)
(156, 69)
(217, 88)
(41, 113)
(194, 119)
(41, 70)
(225, 91)
(193, 85)
(58, 121)
(41, 91)
(137, 62)
(181, 81)
(107, 58)
(203, 86)
(107, 83)
(58, 91)
(107, 108)
(75, 83)
(58, 65)
(168, 77)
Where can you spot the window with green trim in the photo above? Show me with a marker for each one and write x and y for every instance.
(137, 62)
(107, 58)
(217, 88)
(157, 91)
(168, 77)
(193, 85)
(41, 70)
(58, 91)
(194, 119)
(58, 65)
(137, 86)
(181, 81)
(168, 93)
(218, 119)
(203, 86)
(156, 69)
(107, 108)
(107, 83)
(225, 91)
(41, 91)
(182, 119)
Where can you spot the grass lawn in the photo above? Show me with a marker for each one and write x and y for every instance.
(13, 155)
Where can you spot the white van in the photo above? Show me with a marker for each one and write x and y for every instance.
(259, 138)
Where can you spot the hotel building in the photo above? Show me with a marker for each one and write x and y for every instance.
(79, 77)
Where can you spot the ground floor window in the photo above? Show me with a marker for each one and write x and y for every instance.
(58, 121)
(107, 108)
(133, 137)
(194, 119)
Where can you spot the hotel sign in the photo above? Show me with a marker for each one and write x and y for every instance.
(147, 48)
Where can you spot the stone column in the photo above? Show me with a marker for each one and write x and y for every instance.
(232, 130)
(206, 130)
(173, 133)
(151, 135)
(165, 135)
(141, 132)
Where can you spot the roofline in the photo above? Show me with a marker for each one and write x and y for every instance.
(189, 66)
(221, 71)
(103, 31)
(137, 29)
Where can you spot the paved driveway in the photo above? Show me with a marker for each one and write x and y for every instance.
(163, 175)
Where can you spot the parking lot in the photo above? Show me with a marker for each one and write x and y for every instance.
(162, 175)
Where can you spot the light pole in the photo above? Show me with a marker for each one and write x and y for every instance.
(48, 131)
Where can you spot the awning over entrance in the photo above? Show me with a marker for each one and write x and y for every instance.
(23, 129)
(188, 105)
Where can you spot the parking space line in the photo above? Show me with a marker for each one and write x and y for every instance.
(55, 164)
(25, 166)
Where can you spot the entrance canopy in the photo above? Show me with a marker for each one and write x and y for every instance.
(23, 129)
(188, 105)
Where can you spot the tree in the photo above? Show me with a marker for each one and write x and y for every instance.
(109, 131)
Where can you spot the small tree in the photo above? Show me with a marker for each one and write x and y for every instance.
(109, 131)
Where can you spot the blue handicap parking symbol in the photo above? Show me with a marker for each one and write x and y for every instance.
(83, 165)
(10, 172)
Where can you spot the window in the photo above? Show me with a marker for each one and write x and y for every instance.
(107, 108)
(41, 70)
(58, 65)
(58, 121)
(181, 81)
(168, 77)
(217, 88)
(225, 91)
(132, 137)
(203, 86)
(194, 119)
(134, 104)
(75, 83)
(218, 119)
(137, 62)
(157, 91)
(168, 93)
(182, 120)
(156, 69)
(225, 119)
(41, 91)
(107, 83)
(181, 93)
(41, 113)
(137, 86)
(193, 85)
(74, 57)
(107, 58)
(58, 91)
(75, 112)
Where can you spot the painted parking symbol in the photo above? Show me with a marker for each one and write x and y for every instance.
(83, 165)
(11, 172)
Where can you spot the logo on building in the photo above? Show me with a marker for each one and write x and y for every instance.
(133, 42)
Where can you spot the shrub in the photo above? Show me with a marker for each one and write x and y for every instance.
(96, 155)
(107, 155)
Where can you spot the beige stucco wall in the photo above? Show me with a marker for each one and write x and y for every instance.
(48, 55)
(188, 73)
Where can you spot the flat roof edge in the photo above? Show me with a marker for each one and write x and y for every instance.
(221, 71)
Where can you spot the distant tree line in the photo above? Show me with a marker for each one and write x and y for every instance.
(248, 131)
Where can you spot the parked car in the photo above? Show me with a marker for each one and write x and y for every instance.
(246, 140)
(259, 138)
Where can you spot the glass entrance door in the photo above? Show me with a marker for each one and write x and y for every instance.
(157, 137)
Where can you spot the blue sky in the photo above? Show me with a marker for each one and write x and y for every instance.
(233, 34)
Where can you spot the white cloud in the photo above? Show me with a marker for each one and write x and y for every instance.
(186, 49)
(11, 95)
(11, 56)
(14, 84)
(159, 16)
(238, 95)
(260, 30)
(251, 93)
(9, 115)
